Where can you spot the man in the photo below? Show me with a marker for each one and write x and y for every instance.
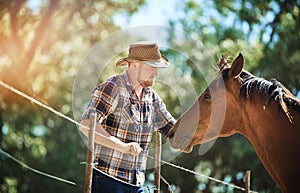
(128, 112)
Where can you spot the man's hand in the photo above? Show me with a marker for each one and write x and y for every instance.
(104, 138)
(133, 148)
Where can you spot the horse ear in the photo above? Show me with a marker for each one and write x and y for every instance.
(237, 66)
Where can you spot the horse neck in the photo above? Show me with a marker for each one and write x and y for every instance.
(274, 138)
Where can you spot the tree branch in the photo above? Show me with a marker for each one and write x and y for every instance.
(39, 32)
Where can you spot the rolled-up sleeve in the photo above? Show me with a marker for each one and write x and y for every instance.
(163, 119)
(104, 101)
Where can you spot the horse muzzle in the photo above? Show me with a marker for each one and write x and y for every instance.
(183, 144)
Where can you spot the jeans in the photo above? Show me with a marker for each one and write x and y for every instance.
(104, 184)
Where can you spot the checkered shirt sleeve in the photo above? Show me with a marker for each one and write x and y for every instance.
(104, 101)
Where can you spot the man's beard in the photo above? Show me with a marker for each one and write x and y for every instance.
(146, 83)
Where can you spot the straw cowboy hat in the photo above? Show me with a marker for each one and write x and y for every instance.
(147, 53)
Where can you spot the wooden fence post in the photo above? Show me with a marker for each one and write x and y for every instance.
(247, 181)
(157, 168)
(90, 155)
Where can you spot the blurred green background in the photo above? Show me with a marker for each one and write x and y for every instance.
(42, 44)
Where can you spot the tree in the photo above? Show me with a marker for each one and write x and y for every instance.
(276, 23)
(42, 45)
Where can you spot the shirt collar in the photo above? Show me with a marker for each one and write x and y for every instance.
(129, 87)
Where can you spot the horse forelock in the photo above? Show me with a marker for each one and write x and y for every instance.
(272, 89)
(223, 62)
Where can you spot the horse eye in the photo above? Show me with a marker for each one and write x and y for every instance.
(207, 97)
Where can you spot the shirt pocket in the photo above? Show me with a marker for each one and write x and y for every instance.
(130, 113)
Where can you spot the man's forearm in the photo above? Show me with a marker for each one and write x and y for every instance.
(104, 138)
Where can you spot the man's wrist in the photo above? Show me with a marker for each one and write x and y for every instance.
(120, 146)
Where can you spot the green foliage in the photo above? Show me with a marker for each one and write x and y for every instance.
(286, 50)
(42, 45)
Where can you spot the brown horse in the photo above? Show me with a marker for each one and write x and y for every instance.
(265, 112)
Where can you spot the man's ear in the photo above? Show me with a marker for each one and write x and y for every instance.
(132, 65)
(237, 66)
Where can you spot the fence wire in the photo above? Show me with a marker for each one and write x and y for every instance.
(33, 100)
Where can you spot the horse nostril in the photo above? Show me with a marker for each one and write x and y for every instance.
(170, 134)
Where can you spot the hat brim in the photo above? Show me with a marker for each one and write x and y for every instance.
(162, 63)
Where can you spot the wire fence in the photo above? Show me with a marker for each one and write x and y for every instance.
(33, 100)
(38, 171)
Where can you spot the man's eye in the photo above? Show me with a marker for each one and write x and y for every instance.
(207, 96)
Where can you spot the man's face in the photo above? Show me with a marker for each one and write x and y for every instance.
(146, 75)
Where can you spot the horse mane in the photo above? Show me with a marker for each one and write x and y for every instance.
(273, 89)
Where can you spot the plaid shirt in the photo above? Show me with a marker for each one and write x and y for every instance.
(128, 119)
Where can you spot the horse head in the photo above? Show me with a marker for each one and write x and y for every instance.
(208, 118)
(265, 112)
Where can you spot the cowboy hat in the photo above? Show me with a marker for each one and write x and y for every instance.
(145, 52)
